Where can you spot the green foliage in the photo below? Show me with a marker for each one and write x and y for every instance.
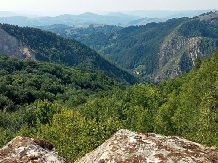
(77, 110)
(5, 137)
(24, 82)
(45, 111)
(186, 106)
(50, 47)
(185, 63)
(191, 110)
(77, 134)
(197, 27)
(99, 34)
(137, 48)
(130, 47)
(198, 62)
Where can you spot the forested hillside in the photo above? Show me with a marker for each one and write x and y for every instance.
(156, 51)
(95, 36)
(78, 114)
(24, 82)
(69, 95)
(46, 46)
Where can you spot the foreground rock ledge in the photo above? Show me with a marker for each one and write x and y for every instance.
(130, 147)
(28, 150)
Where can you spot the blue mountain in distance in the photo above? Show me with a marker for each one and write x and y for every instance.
(166, 13)
(7, 14)
(67, 19)
(12, 14)
(112, 18)
(120, 14)
(88, 15)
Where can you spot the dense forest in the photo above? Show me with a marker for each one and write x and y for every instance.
(24, 82)
(154, 50)
(99, 34)
(76, 99)
(49, 47)
(78, 110)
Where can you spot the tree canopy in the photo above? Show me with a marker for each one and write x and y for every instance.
(78, 110)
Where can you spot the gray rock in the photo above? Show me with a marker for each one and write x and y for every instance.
(12, 47)
(28, 150)
(131, 147)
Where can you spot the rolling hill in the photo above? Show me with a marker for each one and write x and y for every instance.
(156, 51)
(79, 122)
(45, 46)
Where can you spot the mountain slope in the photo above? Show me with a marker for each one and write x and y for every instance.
(25, 81)
(186, 106)
(94, 36)
(167, 13)
(46, 46)
(134, 47)
(164, 50)
(160, 51)
(156, 51)
(197, 37)
(144, 21)
(167, 49)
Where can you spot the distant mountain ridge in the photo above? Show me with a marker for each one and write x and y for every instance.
(7, 14)
(85, 19)
(67, 19)
(165, 50)
(144, 21)
(167, 13)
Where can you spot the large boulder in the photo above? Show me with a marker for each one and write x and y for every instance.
(131, 147)
(29, 150)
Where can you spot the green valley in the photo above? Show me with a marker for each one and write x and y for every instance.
(156, 51)
(64, 92)
(46, 46)
(78, 114)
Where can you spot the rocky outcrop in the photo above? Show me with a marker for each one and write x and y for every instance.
(11, 46)
(170, 56)
(176, 45)
(123, 147)
(28, 150)
(131, 147)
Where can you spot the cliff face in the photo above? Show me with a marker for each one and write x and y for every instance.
(170, 56)
(194, 38)
(126, 146)
(28, 150)
(11, 46)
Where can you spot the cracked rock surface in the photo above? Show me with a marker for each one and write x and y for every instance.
(131, 147)
(28, 150)
(123, 147)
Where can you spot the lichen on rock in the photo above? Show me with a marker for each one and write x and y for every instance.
(130, 147)
(29, 150)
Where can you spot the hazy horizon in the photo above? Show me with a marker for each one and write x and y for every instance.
(60, 7)
(137, 13)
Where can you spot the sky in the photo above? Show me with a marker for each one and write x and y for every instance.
(58, 7)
